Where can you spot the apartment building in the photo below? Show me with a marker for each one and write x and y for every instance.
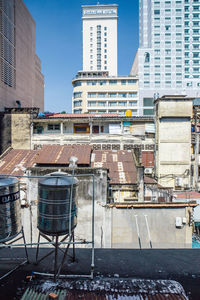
(167, 62)
(21, 80)
(100, 38)
(96, 92)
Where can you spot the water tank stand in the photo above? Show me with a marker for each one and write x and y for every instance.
(11, 244)
(54, 241)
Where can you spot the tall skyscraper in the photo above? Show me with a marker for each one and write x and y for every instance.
(100, 38)
(168, 57)
(21, 80)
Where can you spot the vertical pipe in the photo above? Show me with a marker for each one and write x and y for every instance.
(148, 231)
(138, 233)
(93, 202)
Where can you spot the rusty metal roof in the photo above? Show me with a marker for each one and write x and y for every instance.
(152, 205)
(56, 154)
(17, 161)
(148, 158)
(120, 163)
(103, 289)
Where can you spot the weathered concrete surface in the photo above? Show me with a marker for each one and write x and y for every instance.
(114, 227)
(173, 141)
(181, 265)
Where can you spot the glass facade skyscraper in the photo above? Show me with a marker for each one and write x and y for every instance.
(168, 57)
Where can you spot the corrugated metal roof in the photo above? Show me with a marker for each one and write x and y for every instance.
(56, 154)
(17, 161)
(121, 166)
(152, 205)
(102, 289)
(190, 195)
(148, 158)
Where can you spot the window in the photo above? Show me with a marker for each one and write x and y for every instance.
(91, 82)
(113, 82)
(78, 103)
(133, 94)
(156, 11)
(105, 62)
(148, 112)
(147, 101)
(112, 95)
(132, 81)
(105, 33)
(77, 83)
(53, 126)
(122, 95)
(92, 95)
(91, 28)
(77, 94)
(123, 82)
(105, 28)
(146, 57)
(105, 45)
(105, 50)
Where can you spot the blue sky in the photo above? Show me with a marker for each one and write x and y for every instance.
(59, 44)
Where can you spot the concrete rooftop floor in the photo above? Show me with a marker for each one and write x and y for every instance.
(182, 265)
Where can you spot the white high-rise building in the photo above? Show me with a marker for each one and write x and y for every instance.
(100, 38)
(168, 58)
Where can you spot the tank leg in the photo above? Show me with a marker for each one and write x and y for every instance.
(37, 251)
(74, 254)
(55, 258)
(25, 244)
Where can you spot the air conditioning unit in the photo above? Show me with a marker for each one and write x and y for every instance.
(178, 182)
(148, 171)
(186, 186)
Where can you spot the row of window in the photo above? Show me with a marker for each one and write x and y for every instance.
(113, 103)
(168, 83)
(112, 95)
(120, 112)
(105, 82)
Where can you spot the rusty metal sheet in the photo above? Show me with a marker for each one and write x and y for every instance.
(109, 289)
(56, 154)
(17, 161)
(148, 158)
(120, 163)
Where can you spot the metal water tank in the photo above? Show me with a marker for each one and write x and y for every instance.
(54, 204)
(10, 208)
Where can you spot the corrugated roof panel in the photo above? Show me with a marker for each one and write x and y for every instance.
(148, 158)
(135, 289)
(56, 154)
(17, 161)
(121, 166)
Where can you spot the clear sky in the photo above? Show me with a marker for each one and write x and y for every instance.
(59, 44)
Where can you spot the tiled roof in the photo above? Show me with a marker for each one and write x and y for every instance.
(56, 154)
(121, 166)
(57, 115)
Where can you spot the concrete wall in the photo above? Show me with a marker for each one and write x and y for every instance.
(5, 132)
(83, 230)
(28, 90)
(161, 222)
(114, 227)
(173, 141)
